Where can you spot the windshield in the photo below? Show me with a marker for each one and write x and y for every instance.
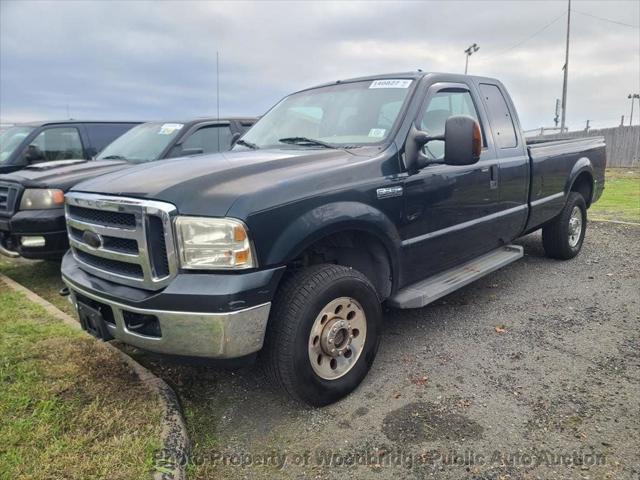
(342, 115)
(144, 143)
(11, 139)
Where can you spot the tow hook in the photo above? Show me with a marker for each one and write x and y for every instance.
(64, 292)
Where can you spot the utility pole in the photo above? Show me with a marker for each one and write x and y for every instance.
(566, 72)
(557, 117)
(633, 97)
(470, 51)
(218, 94)
(622, 121)
(586, 129)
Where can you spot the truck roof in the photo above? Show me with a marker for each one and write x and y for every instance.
(71, 122)
(192, 120)
(414, 75)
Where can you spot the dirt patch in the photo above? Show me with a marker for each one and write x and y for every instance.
(422, 421)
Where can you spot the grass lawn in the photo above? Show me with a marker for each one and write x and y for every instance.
(40, 277)
(69, 408)
(621, 198)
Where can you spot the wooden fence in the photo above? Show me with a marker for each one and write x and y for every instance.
(623, 143)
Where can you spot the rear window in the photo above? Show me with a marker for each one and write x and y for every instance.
(501, 121)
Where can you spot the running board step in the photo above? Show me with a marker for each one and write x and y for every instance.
(429, 290)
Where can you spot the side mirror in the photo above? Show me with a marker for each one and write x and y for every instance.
(91, 152)
(462, 141)
(462, 138)
(234, 138)
(414, 159)
(192, 151)
(33, 154)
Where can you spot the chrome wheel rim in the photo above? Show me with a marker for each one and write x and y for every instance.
(337, 338)
(575, 226)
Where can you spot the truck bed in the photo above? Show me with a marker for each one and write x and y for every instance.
(554, 164)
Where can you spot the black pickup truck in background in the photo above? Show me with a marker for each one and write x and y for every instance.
(32, 143)
(395, 188)
(32, 221)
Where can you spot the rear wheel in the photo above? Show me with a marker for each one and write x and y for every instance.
(563, 236)
(323, 333)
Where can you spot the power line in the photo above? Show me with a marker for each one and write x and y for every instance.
(537, 32)
(607, 19)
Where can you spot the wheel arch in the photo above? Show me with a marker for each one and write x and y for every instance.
(354, 230)
(581, 180)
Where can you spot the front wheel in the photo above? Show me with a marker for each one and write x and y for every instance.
(563, 236)
(323, 333)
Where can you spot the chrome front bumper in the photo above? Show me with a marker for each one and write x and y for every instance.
(213, 335)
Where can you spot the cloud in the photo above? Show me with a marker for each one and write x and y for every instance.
(157, 60)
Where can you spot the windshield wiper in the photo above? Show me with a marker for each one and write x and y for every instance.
(252, 146)
(113, 157)
(305, 141)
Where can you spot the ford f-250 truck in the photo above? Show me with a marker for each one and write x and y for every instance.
(32, 200)
(394, 188)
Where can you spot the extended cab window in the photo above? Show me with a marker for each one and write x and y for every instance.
(501, 120)
(62, 143)
(444, 104)
(210, 139)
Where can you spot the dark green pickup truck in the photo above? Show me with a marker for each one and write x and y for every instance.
(393, 188)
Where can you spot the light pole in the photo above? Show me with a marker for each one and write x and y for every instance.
(633, 97)
(470, 51)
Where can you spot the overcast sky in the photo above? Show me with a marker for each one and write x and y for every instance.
(157, 60)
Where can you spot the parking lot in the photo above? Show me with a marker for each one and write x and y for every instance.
(531, 372)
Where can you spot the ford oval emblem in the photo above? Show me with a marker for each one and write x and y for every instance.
(92, 239)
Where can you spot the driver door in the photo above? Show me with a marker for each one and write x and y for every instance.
(447, 216)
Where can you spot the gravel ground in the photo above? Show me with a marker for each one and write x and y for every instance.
(530, 372)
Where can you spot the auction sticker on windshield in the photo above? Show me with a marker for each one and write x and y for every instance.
(377, 132)
(390, 83)
(169, 128)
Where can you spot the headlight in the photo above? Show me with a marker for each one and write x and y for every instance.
(41, 198)
(213, 243)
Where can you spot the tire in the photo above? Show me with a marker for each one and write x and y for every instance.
(559, 235)
(299, 310)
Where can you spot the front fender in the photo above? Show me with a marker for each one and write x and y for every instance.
(332, 218)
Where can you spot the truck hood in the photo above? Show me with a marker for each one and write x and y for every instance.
(209, 184)
(62, 174)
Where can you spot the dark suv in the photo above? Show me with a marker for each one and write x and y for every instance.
(30, 143)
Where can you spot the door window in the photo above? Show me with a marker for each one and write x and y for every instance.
(444, 104)
(56, 144)
(212, 139)
(501, 120)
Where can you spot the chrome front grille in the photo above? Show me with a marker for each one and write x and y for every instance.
(125, 240)
(8, 198)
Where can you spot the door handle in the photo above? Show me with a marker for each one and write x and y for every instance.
(493, 176)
